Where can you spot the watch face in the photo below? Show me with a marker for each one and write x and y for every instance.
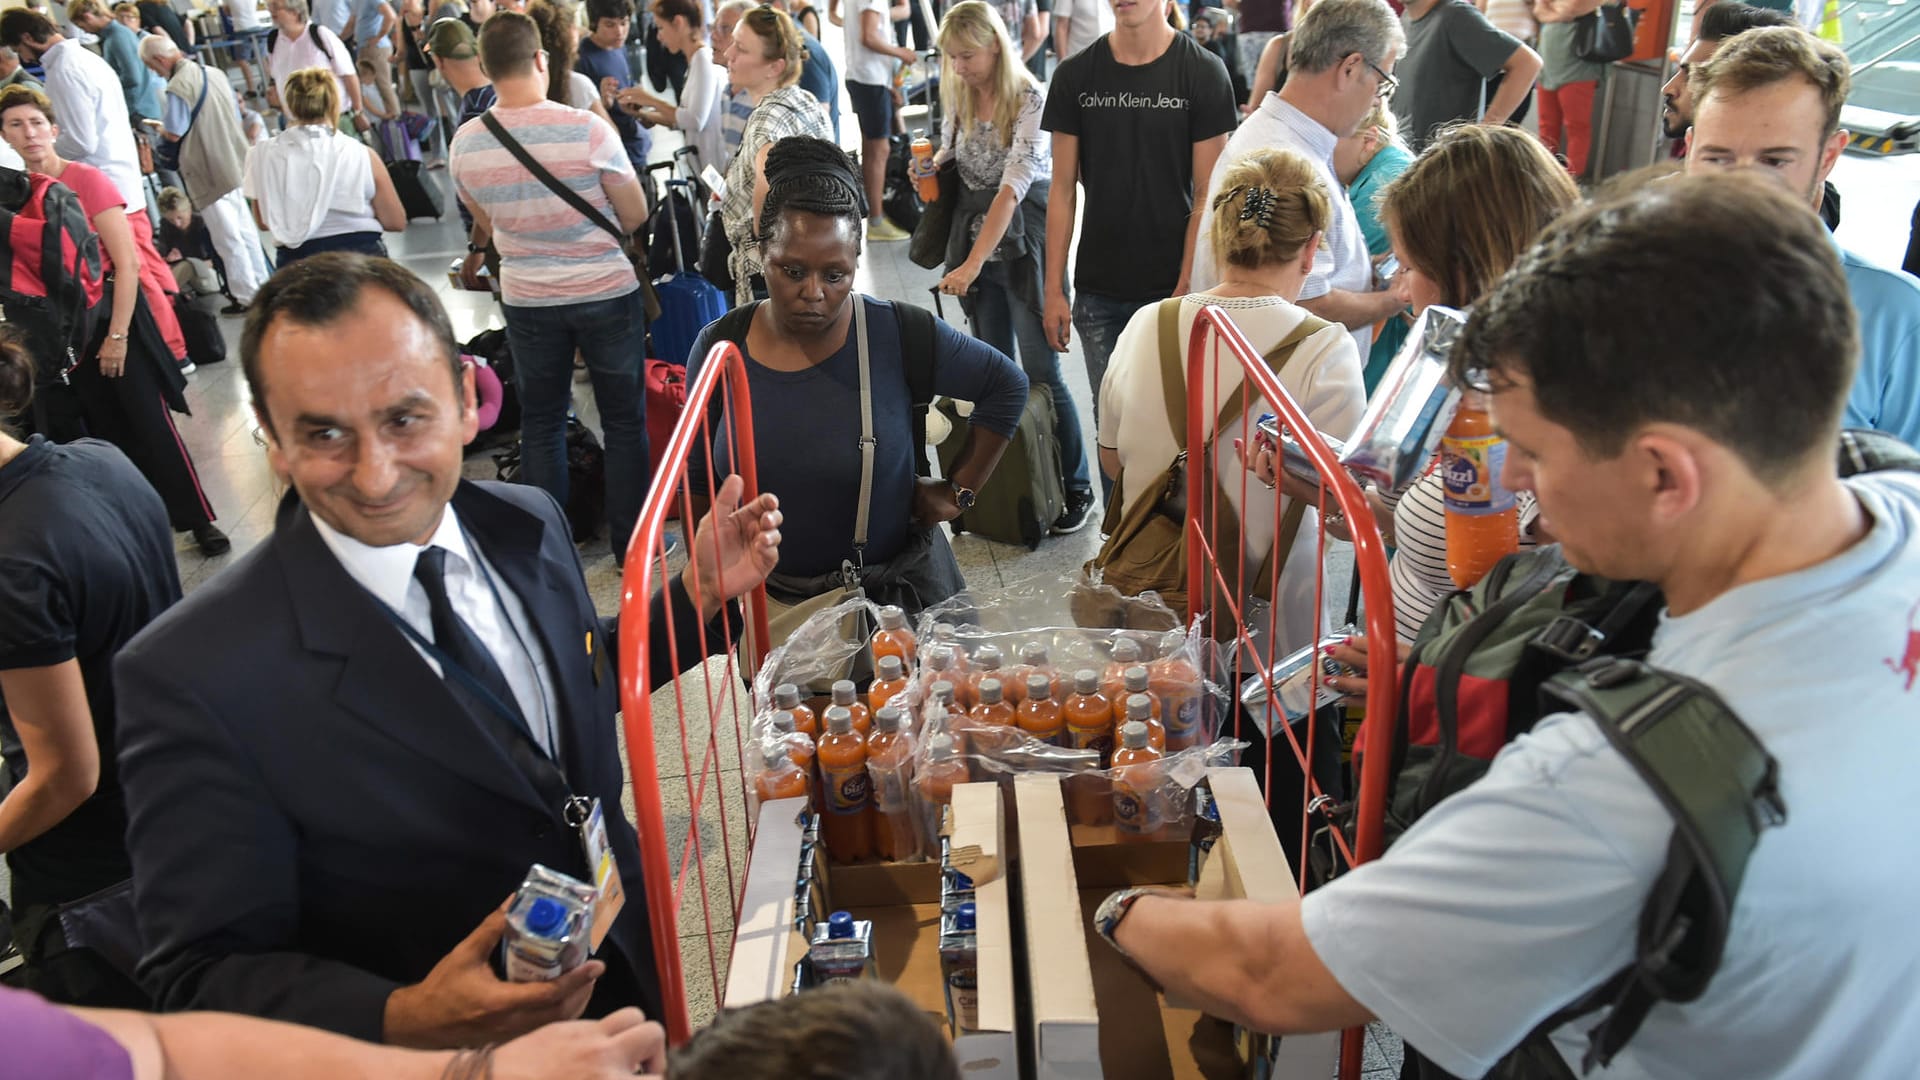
(964, 497)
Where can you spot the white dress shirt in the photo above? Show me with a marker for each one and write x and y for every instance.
(94, 128)
(491, 610)
(1342, 261)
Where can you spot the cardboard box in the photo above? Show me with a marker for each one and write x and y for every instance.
(1092, 1014)
(903, 903)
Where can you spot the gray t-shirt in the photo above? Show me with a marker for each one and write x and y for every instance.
(1517, 895)
(1558, 65)
(1451, 53)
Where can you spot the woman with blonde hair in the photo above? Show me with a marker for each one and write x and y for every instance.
(764, 62)
(990, 135)
(1270, 215)
(313, 187)
(1458, 218)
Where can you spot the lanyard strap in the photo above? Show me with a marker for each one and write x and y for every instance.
(500, 721)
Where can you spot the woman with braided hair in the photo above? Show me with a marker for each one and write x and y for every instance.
(814, 350)
(1270, 212)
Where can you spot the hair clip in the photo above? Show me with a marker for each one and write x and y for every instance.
(1259, 206)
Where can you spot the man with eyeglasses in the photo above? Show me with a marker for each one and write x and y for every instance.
(1459, 66)
(1342, 59)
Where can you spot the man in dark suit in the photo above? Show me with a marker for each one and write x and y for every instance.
(344, 752)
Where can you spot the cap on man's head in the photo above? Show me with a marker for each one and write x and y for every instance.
(452, 39)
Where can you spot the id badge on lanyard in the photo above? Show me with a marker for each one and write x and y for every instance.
(589, 817)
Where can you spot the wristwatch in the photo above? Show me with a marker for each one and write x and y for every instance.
(1106, 920)
(963, 497)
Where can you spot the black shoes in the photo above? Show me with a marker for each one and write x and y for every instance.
(1079, 511)
(210, 540)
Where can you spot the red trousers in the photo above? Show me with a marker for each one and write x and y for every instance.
(1570, 105)
(156, 282)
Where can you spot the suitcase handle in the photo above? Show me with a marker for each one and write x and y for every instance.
(673, 219)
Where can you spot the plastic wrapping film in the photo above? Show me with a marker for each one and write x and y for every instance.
(1412, 406)
(948, 746)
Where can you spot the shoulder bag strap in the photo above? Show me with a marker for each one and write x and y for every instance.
(567, 195)
(202, 100)
(866, 434)
(1278, 358)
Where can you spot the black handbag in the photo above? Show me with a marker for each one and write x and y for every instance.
(1605, 35)
(928, 249)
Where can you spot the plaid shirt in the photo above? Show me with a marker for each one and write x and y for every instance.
(785, 112)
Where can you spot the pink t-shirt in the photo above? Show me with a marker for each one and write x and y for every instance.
(550, 254)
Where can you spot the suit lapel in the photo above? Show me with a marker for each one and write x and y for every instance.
(384, 682)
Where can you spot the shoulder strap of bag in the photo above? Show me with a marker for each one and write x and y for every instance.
(917, 336)
(567, 195)
(866, 434)
(1722, 788)
(201, 100)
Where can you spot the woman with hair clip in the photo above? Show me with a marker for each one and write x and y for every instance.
(560, 37)
(829, 357)
(990, 131)
(126, 386)
(1270, 212)
(86, 562)
(765, 62)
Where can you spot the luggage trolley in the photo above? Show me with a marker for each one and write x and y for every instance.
(717, 401)
(1216, 345)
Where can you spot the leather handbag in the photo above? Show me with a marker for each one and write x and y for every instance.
(1605, 35)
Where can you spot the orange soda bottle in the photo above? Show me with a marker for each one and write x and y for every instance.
(1035, 661)
(890, 767)
(987, 660)
(787, 696)
(1176, 683)
(890, 680)
(1089, 719)
(929, 186)
(779, 778)
(846, 791)
(846, 698)
(944, 768)
(1040, 716)
(1483, 522)
(1136, 776)
(1139, 684)
(799, 746)
(1113, 683)
(991, 723)
(893, 638)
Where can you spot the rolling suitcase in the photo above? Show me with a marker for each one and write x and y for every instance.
(1026, 493)
(688, 302)
(401, 152)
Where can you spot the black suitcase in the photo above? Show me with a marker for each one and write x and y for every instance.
(418, 197)
(205, 345)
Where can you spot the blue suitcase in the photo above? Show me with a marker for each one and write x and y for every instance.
(688, 302)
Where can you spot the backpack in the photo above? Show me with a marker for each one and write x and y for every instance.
(54, 276)
(1535, 637)
(314, 28)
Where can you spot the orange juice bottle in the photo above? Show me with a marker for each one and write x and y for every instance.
(1136, 778)
(1483, 521)
(891, 680)
(934, 783)
(787, 696)
(846, 790)
(779, 778)
(1089, 727)
(938, 664)
(846, 698)
(1113, 683)
(893, 638)
(1040, 716)
(990, 724)
(1175, 682)
(800, 748)
(890, 767)
(987, 661)
(1138, 684)
(1034, 661)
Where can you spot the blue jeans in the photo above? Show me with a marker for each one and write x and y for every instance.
(609, 335)
(1098, 320)
(1002, 319)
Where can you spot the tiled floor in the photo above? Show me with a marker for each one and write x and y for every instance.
(233, 470)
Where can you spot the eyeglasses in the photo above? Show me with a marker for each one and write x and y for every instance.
(1388, 84)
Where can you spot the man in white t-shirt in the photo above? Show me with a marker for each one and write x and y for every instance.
(1656, 455)
(872, 57)
(1343, 54)
(298, 42)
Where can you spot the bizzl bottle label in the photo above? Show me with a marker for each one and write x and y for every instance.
(1470, 468)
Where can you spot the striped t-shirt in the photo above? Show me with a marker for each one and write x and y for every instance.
(550, 254)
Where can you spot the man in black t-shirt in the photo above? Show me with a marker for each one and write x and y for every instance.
(1138, 118)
